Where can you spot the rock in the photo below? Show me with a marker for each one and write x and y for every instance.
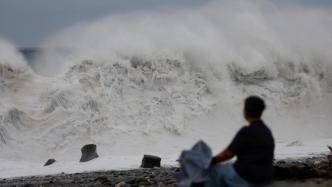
(103, 181)
(303, 168)
(49, 162)
(150, 161)
(89, 152)
(121, 184)
(292, 172)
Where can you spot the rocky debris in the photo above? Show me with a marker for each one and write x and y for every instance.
(130, 178)
(150, 161)
(319, 166)
(305, 172)
(49, 162)
(89, 152)
(155, 177)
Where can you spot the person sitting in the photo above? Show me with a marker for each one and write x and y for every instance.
(253, 145)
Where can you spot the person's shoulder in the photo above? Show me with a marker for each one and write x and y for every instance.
(243, 129)
(267, 130)
(260, 124)
(265, 126)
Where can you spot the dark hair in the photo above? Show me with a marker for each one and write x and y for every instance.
(254, 106)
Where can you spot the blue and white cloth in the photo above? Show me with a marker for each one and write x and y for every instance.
(194, 165)
(195, 168)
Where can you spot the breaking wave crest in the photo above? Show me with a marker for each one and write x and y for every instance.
(94, 100)
(98, 101)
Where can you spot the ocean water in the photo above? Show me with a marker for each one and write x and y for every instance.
(30, 54)
(157, 82)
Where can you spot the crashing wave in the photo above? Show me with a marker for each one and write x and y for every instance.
(291, 82)
(13, 69)
(14, 120)
(103, 99)
(146, 95)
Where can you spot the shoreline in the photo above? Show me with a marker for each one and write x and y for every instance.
(163, 176)
(303, 171)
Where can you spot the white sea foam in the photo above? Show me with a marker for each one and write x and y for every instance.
(156, 82)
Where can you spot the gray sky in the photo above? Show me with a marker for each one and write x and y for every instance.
(27, 23)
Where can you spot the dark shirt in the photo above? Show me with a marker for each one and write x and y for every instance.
(254, 146)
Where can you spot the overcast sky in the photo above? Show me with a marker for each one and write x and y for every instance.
(28, 22)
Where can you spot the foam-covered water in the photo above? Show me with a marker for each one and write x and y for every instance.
(134, 80)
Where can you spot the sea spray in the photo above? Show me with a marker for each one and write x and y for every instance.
(128, 80)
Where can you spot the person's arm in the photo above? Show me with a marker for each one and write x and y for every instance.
(222, 156)
(235, 146)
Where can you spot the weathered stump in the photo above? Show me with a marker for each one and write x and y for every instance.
(150, 161)
(89, 152)
(49, 162)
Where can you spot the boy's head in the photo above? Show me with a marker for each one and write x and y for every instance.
(253, 108)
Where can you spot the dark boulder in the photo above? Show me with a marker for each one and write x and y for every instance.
(49, 162)
(89, 152)
(303, 168)
(295, 172)
(150, 161)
